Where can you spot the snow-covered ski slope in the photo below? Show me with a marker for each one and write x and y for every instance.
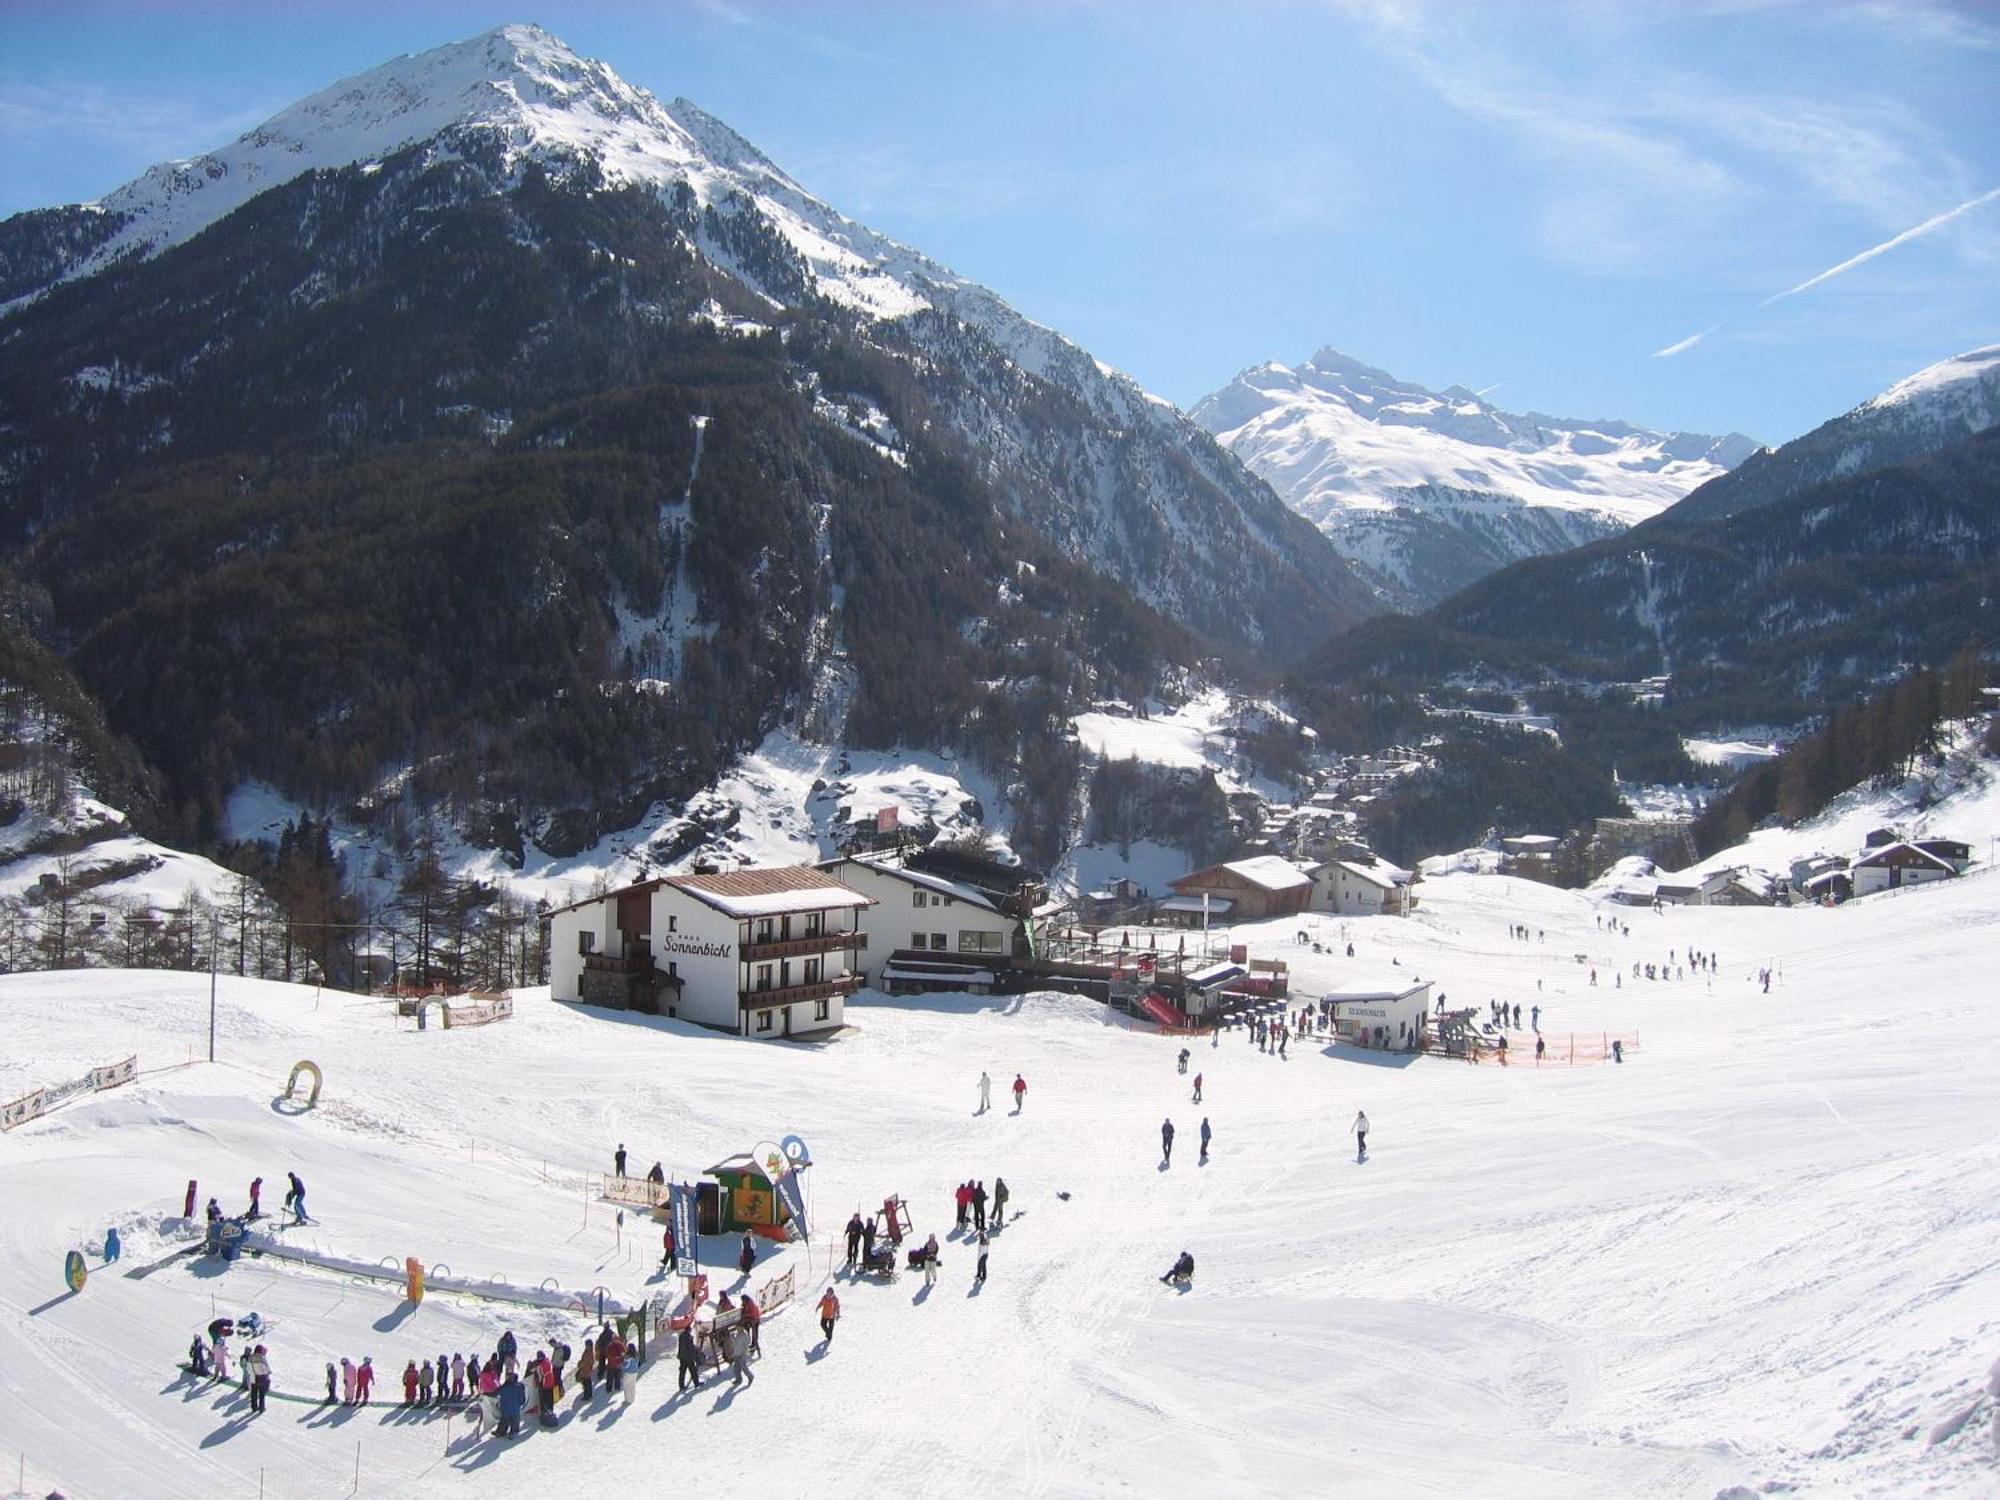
(1761, 1252)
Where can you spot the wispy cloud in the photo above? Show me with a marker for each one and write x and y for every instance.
(753, 19)
(1685, 344)
(1933, 223)
(146, 129)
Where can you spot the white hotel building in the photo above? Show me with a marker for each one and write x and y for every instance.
(771, 952)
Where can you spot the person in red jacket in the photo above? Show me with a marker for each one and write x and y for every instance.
(1020, 1092)
(753, 1319)
(410, 1383)
(667, 1248)
(964, 1199)
(364, 1379)
(614, 1364)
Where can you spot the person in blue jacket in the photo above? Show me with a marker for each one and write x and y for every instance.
(513, 1401)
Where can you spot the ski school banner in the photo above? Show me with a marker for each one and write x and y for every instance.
(478, 1012)
(38, 1102)
(687, 1245)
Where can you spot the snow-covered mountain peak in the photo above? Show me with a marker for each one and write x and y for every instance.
(1966, 386)
(1431, 488)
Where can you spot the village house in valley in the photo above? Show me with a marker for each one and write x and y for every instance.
(761, 952)
(1246, 889)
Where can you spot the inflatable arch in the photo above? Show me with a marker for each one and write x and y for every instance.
(292, 1083)
(74, 1270)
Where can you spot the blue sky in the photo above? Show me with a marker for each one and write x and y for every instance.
(1533, 199)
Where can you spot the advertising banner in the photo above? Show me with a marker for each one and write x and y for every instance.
(687, 1244)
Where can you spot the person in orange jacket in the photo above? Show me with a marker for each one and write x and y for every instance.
(829, 1314)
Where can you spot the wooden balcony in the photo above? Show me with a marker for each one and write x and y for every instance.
(793, 994)
(803, 947)
(607, 963)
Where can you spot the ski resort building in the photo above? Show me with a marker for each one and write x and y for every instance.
(1363, 887)
(1265, 886)
(763, 952)
(1389, 1016)
(927, 931)
(1893, 866)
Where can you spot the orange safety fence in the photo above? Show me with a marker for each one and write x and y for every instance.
(1564, 1049)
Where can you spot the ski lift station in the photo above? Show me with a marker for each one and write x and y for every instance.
(1388, 1016)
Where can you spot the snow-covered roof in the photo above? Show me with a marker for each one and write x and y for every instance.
(1216, 974)
(1903, 853)
(1356, 991)
(937, 975)
(767, 892)
(1269, 871)
(1383, 873)
(884, 865)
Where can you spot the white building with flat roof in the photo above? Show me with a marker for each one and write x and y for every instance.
(763, 952)
(914, 910)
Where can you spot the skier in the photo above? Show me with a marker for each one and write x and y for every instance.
(214, 1210)
(256, 1192)
(689, 1355)
(985, 1092)
(1182, 1270)
(296, 1198)
(586, 1368)
(1359, 1130)
(1284, 1037)
(962, 1196)
(346, 1381)
(457, 1377)
(829, 1314)
(410, 1383)
(1197, 1088)
(332, 1382)
(1517, 1015)
(618, 1161)
(979, 1206)
(930, 1258)
(748, 1257)
(1541, 1047)
(737, 1345)
(613, 1364)
(853, 1238)
(657, 1175)
(868, 1242)
(513, 1400)
(1020, 1092)
(1184, 1059)
(1204, 1142)
(1535, 1015)
(999, 1200)
(260, 1380)
(1167, 1142)
(197, 1357)
(1618, 1052)
(980, 1274)
(753, 1319)
(364, 1379)
(667, 1247)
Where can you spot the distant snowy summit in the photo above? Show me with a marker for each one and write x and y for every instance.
(1430, 490)
(1938, 407)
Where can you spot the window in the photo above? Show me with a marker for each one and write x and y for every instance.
(970, 941)
(823, 1010)
(812, 971)
(918, 940)
(763, 1020)
(938, 941)
(763, 976)
(948, 900)
(764, 930)
(673, 924)
(916, 898)
(813, 924)
(586, 942)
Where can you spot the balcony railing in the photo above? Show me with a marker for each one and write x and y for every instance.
(803, 947)
(793, 994)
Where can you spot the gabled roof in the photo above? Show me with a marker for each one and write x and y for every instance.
(1904, 854)
(919, 878)
(768, 891)
(1268, 871)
